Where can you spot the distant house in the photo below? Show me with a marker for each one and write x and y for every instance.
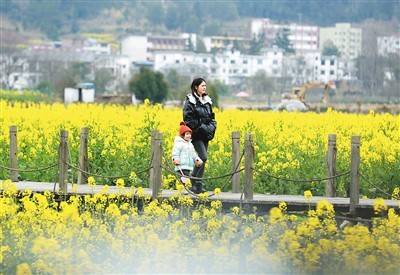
(345, 37)
(230, 67)
(303, 38)
(389, 44)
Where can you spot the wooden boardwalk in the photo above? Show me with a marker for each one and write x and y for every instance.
(261, 201)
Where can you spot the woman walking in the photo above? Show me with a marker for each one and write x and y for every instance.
(199, 116)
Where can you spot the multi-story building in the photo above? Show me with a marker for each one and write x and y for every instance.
(311, 67)
(140, 48)
(389, 44)
(230, 67)
(224, 42)
(303, 38)
(346, 38)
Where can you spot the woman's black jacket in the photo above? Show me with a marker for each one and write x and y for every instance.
(199, 117)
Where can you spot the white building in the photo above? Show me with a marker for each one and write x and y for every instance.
(140, 48)
(91, 45)
(344, 37)
(311, 67)
(118, 65)
(224, 42)
(303, 38)
(389, 44)
(229, 67)
(136, 48)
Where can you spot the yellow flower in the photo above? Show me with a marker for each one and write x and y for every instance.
(396, 193)
(283, 206)
(217, 191)
(379, 205)
(91, 181)
(140, 192)
(23, 269)
(74, 188)
(307, 195)
(120, 183)
(216, 205)
(235, 210)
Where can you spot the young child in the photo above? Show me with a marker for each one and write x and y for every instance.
(184, 155)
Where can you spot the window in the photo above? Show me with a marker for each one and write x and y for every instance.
(275, 62)
(332, 72)
(332, 62)
(164, 57)
(322, 61)
(204, 60)
(322, 72)
(259, 61)
(245, 61)
(177, 61)
(213, 70)
(245, 71)
(232, 61)
(235, 71)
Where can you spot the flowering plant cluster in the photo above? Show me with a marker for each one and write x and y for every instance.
(130, 233)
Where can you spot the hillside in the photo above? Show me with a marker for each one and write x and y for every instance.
(59, 17)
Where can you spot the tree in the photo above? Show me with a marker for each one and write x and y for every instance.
(150, 85)
(178, 85)
(282, 41)
(102, 78)
(155, 12)
(330, 49)
(212, 91)
(201, 48)
(256, 44)
(260, 84)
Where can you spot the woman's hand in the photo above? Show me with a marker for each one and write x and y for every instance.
(198, 162)
(176, 162)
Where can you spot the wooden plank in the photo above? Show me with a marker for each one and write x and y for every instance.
(155, 180)
(13, 153)
(62, 162)
(235, 161)
(330, 185)
(223, 196)
(355, 175)
(83, 156)
(248, 167)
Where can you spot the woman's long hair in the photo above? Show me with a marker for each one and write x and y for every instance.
(196, 83)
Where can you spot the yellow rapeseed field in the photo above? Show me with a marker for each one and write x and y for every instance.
(114, 234)
(287, 144)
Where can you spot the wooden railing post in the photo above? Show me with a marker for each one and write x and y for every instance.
(235, 161)
(83, 156)
(330, 186)
(62, 162)
(248, 167)
(13, 153)
(155, 171)
(355, 175)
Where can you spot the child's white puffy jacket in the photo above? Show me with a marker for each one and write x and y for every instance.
(184, 152)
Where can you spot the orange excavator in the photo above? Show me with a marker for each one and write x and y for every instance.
(300, 92)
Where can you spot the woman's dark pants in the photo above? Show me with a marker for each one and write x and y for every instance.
(201, 148)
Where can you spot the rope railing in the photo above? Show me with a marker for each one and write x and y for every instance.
(177, 175)
(204, 178)
(29, 169)
(302, 180)
(108, 177)
(156, 166)
(374, 185)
